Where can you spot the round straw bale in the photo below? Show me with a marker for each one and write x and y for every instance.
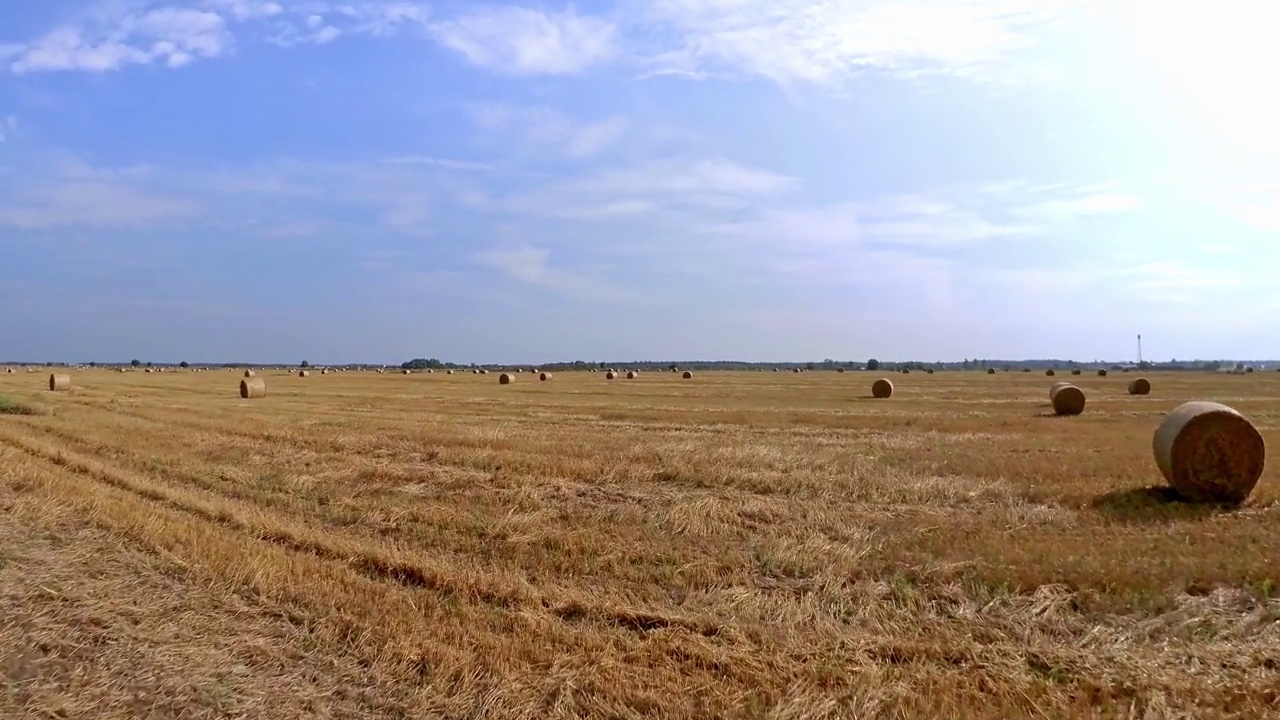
(1102, 373)
(59, 382)
(881, 389)
(1050, 372)
(687, 375)
(991, 371)
(448, 372)
(839, 370)
(1209, 452)
(1139, 386)
(795, 370)
(775, 369)
(249, 373)
(120, 370)
(1075, 372)
(929, 371)
(303, 373)
(324, 371)
(506, 378)
(8, 371)
(252, 388)
(544, 376)
(406, 372)
(906, 371)
(1067, 399)
(484, 372)
(631, 375)
(609, 375)
(148, 371)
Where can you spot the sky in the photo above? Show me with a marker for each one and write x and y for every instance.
(373, 181)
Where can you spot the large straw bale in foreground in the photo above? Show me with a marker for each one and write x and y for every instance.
(505, 378)
(59, 382)
(881, 389)
(253, 388)
(1139, 386)
(1209, 452)
(1067, 399)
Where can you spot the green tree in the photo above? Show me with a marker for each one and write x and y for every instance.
(304, 364)
(183, 364)
(135, 363)
(873, 364)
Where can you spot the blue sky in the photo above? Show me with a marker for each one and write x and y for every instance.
(359, 180)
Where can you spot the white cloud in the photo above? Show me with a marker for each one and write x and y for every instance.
(635, 189)
(115, 36)
(89, 203)
(522, 41)
(528, 265)
(541, 131)
(822, 41)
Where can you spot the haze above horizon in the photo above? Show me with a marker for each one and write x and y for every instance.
(374, 181)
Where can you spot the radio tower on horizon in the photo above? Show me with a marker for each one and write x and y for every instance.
(1139, 348)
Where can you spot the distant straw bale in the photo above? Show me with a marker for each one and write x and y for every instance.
(839, 369)
(303, 373)
(1050, 372)
(1102, 373)
(252, 388)
(506, 378)
(881, 389)
(1067, 399)
(406, 371)
(1139, 386)
(249, 373)
(1076, 371)
(631, 374)
(929, 371)
(1209, 452)
(448, 372)
(59, 382)
(610, 375)
(686, 375)
(544, 376)
(991, 371)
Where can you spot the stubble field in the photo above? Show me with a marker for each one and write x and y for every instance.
(739, 544)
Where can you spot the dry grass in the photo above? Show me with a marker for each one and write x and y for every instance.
(745, 546)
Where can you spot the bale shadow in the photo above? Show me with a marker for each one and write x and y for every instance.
(1155, 503)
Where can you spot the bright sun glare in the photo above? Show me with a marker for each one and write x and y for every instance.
(1217, 64)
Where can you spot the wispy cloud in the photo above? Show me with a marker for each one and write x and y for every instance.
(89, 204)
(523, 41)
(115, 36)
(823, 41)
(640, 188)
(541, 132)
(529, 265)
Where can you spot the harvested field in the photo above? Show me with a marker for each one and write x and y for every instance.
(746, 545)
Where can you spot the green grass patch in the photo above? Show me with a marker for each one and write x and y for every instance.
(9, 406)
